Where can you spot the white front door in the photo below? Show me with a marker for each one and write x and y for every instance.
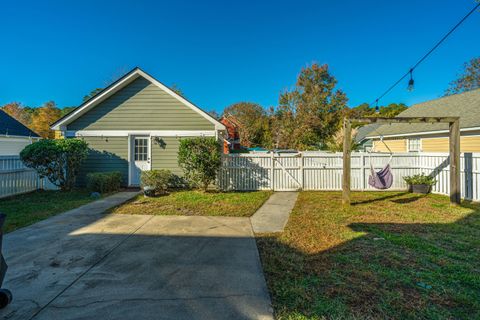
(139, 157)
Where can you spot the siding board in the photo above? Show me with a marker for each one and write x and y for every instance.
(165, 156)
(396, 145)
(105, 154)
(467, 144)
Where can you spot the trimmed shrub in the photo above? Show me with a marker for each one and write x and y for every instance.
(158, 179)
(58, 160)
(104, 181)
(200, 159)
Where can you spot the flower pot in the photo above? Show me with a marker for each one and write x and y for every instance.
(421, 188)
(149, 191)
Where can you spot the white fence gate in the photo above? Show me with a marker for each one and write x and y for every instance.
(15, 178)
(323, 171)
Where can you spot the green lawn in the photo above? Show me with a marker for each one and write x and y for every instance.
(391, 255)
(197, 203)
(26, 209)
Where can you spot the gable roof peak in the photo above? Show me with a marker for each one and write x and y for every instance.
(121, 83)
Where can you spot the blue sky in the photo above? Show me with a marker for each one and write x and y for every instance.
(222, 52)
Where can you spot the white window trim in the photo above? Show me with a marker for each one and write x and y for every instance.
(420, 146)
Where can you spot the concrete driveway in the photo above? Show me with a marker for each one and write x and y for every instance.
(84, 265)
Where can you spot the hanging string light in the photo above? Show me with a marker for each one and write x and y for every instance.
(411, 82)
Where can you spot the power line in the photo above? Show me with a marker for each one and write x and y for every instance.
(409, 72)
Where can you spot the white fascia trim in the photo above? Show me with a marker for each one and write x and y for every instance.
(10, 137)
(153, 133)
(419, 133)
(136, 73)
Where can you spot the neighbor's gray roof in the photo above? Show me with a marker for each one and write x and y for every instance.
(10, 126)
(464, 105)
(366, 130)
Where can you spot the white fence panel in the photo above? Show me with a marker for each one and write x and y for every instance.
(288, 175)
(15, 178)
(246, 172)
(323, 171)
(18, 181)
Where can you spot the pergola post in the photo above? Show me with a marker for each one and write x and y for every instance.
(347, 137)
(454, 149)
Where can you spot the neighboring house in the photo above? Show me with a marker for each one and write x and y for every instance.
(364, 143)
(425, 137)
(135, 124)
(232, 140)
(14, 136)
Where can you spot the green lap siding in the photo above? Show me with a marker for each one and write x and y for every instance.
(105, 154)
(138, 106)
(111, 154)
(165, 155)
(141, 105)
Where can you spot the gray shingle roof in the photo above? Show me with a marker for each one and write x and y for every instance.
(10, 126)
(366, 130)
(464, 105)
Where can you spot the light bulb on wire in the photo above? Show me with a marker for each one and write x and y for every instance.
(411, 82)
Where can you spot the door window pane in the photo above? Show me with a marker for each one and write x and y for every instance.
(141, 149)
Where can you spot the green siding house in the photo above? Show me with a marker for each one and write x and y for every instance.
(135, 124)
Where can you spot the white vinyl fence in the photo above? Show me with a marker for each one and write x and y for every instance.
(323, 171)
(15, 178)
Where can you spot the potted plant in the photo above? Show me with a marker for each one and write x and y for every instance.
(420, 183)
(154, 181)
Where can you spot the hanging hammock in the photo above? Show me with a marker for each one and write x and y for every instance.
(382, 179)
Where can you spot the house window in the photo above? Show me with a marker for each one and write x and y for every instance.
(414, 145)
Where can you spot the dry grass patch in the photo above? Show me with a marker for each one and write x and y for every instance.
(197, 203)
(390, 255)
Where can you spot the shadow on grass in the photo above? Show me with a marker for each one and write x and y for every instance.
(379, 199)
(408, 200)
(389, 271)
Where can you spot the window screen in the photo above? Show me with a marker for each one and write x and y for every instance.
(141, 149)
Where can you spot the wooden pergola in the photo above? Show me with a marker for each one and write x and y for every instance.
(454, 149)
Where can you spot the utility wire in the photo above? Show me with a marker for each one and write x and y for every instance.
(425, 55)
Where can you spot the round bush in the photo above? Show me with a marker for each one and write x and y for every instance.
(158, 179)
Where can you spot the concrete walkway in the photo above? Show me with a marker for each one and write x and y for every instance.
(273, 214)
(84, 264)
